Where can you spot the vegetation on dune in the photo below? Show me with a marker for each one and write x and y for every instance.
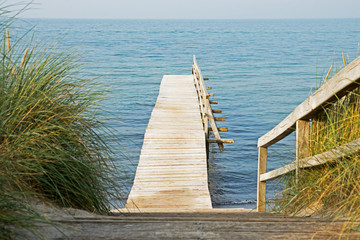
(52, 139)
(332, 189)
(49, 129)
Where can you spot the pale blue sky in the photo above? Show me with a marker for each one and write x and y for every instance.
(194, 9)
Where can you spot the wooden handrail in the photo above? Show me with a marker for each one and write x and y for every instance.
(206, 109)
(344, 81)
(299, 120)
(313, 161)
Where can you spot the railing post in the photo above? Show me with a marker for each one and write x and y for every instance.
(302, 142)
(261, 186)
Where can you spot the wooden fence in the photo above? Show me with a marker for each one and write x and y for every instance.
(207, 113)
(299, 120)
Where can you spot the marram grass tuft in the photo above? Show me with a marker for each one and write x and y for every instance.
(53, 143)
(51, 137)
(331, 190)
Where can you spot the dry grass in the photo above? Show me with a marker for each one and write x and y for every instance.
(332, 190)
(52, 138)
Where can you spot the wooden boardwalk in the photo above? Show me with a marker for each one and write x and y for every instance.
(172, 170)
(221, 225)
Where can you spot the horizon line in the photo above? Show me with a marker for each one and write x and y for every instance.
(305, 18)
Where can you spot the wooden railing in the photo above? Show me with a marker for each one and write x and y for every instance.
(207, 116)
(299, 120)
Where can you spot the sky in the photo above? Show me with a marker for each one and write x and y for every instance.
(193, 9)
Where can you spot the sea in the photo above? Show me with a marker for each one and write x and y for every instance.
(259, 71)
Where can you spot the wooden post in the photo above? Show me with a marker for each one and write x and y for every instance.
(302, 142)
(261, 186)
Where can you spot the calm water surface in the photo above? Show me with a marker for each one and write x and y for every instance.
(259, 70)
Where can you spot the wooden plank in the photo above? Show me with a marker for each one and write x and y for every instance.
(202, 96)
(313, 161)
(194, 224)
(173, 176)
(171, 163)
(175, 157)
(167, 143)
(220, 119)
(220, 140)
(172, 169)
(207, 111)
(302, 142)
(220, 129)
(173, 136)
(344, 81)
(173, 118)
(174, 127)
(180, 112)
(170, 189)
(159, 146)
(173, 114)
(187, 131)
(165, 173)
(261, 185)
(152, 184)
(213, 125)
(171, 151)
(179, 176)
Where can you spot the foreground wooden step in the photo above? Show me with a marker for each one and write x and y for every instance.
(203, 224)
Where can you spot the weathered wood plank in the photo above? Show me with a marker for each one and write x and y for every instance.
(261, 185)
(195, 224)
(172, 169)
(302, 142)
(313, 161)
(221, 140)
(221, 129)
(171, 136)
(220, 119)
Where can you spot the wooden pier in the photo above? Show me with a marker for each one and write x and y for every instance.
(172, 169)
(170, 197)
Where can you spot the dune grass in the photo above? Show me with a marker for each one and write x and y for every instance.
(50, 142)
(333, 189)
(52, 137)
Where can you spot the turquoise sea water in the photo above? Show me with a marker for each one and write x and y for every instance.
(259, 70)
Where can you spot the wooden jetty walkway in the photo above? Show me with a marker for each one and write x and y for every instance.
(172, 169)
(170, 197)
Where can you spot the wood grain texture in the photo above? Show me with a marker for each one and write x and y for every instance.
(261, 185)
(313, 161)
(302, 142)
(208, 224)
(172, 170)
